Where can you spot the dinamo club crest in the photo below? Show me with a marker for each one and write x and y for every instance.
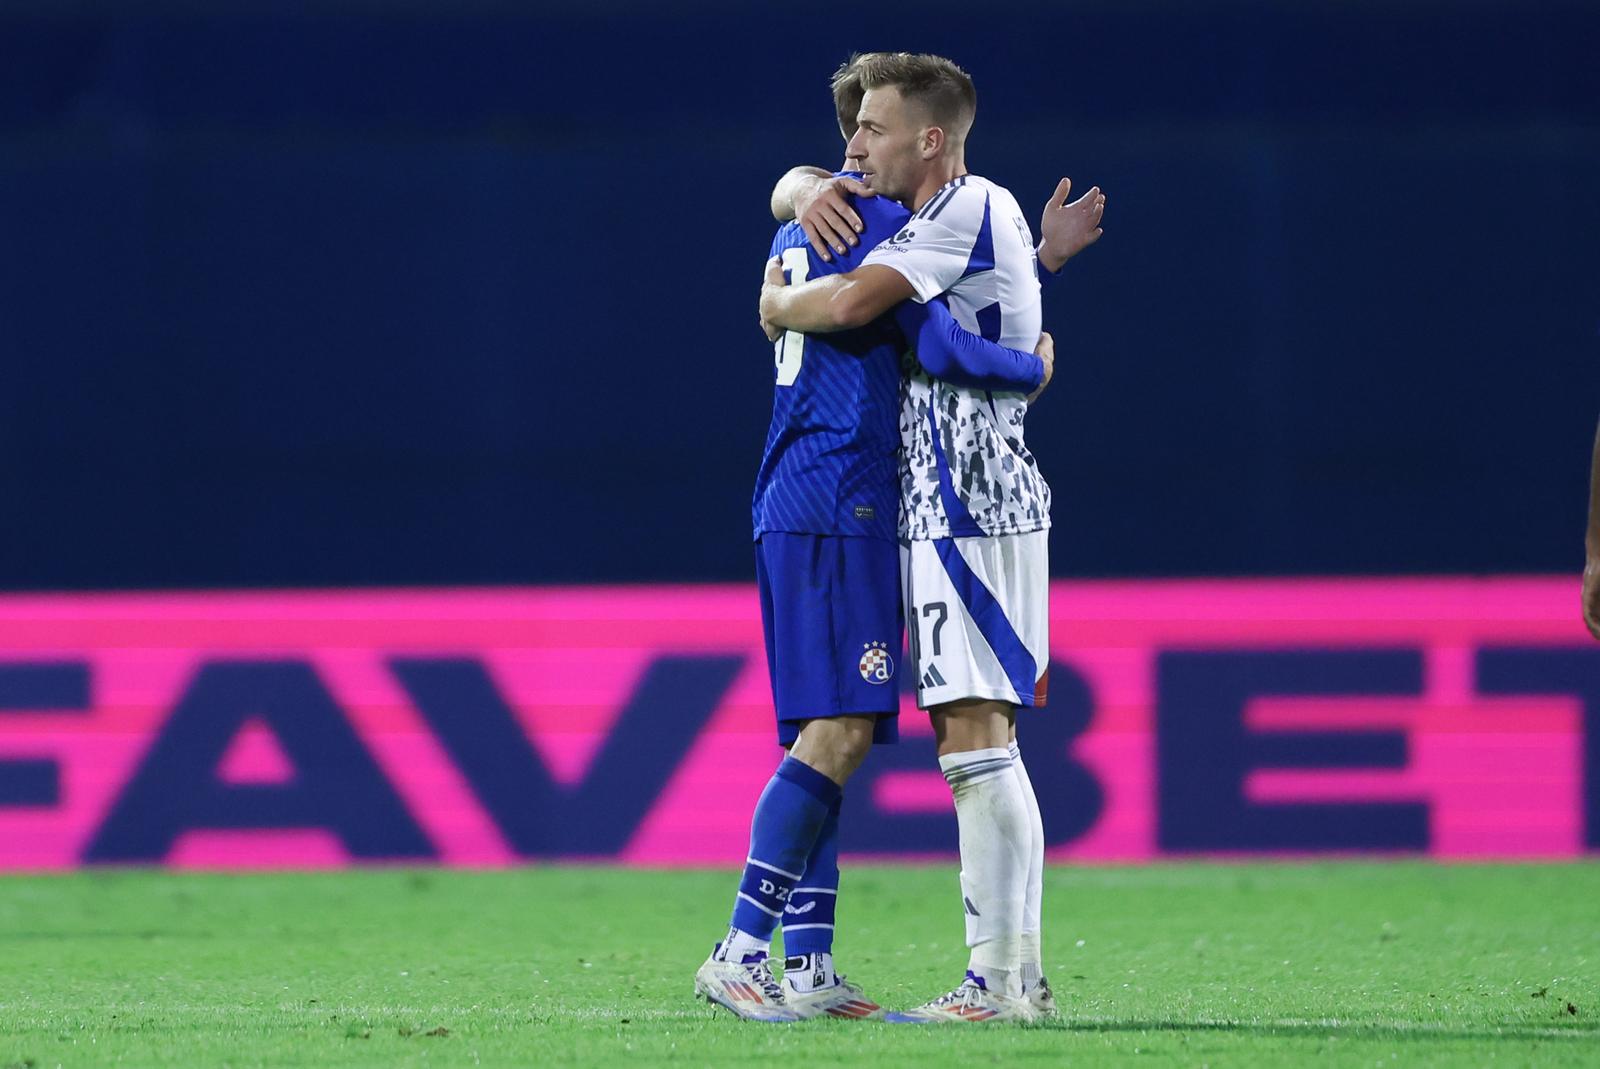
(876, 664)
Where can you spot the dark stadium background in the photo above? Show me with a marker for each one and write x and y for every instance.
(382, 676)
(444, 293)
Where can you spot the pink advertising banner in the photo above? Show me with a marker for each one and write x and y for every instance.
(1451, 718)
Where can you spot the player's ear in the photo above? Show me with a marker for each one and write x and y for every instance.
(932, 142)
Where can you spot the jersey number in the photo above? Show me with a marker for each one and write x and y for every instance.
(938, 625)
(789, 351)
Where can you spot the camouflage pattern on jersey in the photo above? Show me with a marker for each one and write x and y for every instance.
(991, 471)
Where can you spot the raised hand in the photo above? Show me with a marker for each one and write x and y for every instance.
(1069, 228)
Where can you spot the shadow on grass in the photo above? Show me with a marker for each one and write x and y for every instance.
(1585, 1030)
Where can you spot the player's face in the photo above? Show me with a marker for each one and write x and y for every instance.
(888, 143)
(848, 131)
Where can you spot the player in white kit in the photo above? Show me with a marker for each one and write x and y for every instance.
(975, 511)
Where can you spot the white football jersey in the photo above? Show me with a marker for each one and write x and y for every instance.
(964, 469)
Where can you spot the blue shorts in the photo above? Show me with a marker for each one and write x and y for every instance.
(830, 605)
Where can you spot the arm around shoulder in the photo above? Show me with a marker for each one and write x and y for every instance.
(793, 181)
(947, 351)
(838, 302)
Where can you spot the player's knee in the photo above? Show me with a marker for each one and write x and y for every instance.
(836, 746)
(972, 724)
(854, 746)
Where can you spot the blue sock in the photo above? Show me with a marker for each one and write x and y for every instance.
(784, 829)
(808, 919)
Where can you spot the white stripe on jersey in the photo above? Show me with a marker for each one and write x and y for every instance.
(970, 243)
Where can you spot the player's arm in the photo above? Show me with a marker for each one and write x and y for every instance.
(820, 203)
(835, 303)
(1591, 567)
(1066, 229)
(948, 351)
(794, 183)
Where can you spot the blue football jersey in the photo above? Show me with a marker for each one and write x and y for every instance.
(830, 465)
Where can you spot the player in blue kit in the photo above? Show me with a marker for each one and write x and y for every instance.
(826, 522)
(974, 508)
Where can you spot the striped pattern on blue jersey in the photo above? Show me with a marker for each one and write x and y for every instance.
(830, 465)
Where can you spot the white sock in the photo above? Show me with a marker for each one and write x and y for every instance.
(1032, 953)
(809, 972)
(740, 945)
(992, 819)
(1032, 970)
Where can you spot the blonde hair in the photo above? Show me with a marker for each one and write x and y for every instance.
(848, 91)
(943, 90)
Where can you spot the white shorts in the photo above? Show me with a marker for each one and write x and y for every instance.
(978, 613)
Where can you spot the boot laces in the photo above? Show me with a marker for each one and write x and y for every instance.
(968, 994)
(761, 973)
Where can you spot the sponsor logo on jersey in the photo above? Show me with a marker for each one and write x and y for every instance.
(865, 512)
(876, 664)
(902, 238)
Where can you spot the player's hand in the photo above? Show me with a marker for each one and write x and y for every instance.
(1068, 229)
(1046, 351)
(1591, 594)
(774, 277)
(823, 211)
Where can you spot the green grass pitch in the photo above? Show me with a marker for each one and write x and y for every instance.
(1181, 964)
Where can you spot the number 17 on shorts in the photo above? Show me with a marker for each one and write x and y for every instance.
(978, 612)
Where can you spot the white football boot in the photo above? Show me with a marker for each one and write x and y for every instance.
(843, 999)
(745, 988)
(970, 1003)
(1043, 1000)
